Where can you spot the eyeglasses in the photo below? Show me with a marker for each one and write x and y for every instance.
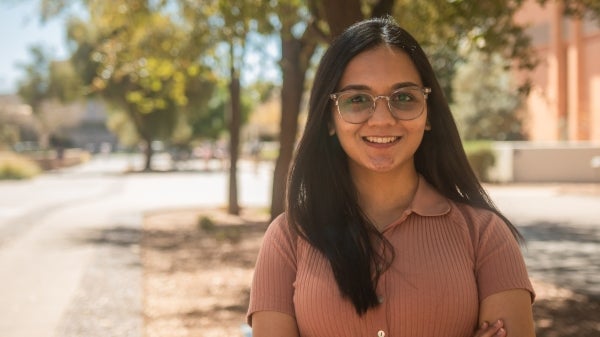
(357, 106)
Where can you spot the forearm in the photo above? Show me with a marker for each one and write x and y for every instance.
(273, 324)
(513, 308)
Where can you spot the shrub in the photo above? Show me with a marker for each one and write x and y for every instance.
(481, 157)
(206, 224)
(232, 235)
(14, 166)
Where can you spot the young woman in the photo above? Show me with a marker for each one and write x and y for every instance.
(387, 230)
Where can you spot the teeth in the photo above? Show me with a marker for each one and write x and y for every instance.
(381, 140)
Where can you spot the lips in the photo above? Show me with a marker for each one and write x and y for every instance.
(380, 140)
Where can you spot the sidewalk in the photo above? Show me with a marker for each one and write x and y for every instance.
(561, 226)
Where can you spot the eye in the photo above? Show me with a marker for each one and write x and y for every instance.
(355, 102)
(402, 96)
(357, 98)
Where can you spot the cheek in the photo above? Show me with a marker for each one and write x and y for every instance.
(421, 124)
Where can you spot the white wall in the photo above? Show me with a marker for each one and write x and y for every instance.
(545, 162)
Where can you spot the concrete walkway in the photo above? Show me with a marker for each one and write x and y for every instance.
(561, 225)
(69, 253)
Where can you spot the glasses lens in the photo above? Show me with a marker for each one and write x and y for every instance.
(355, 107)
(407, 103)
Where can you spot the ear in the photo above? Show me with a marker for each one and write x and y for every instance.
(427, 125)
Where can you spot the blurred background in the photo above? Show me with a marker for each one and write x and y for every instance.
(207, 99)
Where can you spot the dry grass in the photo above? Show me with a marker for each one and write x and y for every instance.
(196, 281)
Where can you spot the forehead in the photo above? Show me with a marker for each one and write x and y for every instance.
(380, 69)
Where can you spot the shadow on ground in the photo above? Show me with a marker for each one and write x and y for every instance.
(575, 316)
(197, 271)
(119, 236)
(565, 255)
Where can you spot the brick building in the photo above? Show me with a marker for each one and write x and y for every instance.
(564, 103)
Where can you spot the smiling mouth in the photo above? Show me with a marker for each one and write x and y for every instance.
(381, 140)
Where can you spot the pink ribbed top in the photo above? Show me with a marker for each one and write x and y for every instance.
(449, 256)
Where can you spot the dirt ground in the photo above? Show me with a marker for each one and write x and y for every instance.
(198, 267)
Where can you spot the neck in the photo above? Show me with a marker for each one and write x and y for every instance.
(385, 196)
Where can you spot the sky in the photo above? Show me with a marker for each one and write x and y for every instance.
(20, 28)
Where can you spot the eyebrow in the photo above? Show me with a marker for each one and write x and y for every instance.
(366, 87)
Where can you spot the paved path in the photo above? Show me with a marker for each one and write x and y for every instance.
(561, 224)
(69, 254)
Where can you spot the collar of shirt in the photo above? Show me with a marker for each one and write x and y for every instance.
(428, 201)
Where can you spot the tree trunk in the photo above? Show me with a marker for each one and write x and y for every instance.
(382, 8)
(340, 14)
(234, 141)
(295, 60)
(148, 153)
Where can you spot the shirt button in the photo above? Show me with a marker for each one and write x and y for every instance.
(380, 333)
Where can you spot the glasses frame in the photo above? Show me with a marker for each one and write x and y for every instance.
(424, 90)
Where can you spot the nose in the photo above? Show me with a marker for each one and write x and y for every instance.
(381, 112)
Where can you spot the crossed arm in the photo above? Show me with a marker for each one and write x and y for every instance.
(505, 314)
(513, 308)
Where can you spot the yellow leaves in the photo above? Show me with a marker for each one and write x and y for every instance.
(144, 102)
(134, 97)
(160, 104)
(193, 70)
(156, 86)
(163, 84)
(143, 57)
(181, 100)
(160, 68)
(178, 89)
(138, 98)
(179, 77)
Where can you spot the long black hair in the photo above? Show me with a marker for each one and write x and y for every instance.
(322, 203)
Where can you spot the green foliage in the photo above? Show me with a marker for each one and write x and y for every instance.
(46, 79)
(206, 224)
(231, 234)
(48, 82)
(481, 156)
(65, 84)
(451, 30)
(9, 134)
(34, 89)
(13, 166)
(120, 124)
(147, 66)
(487, 100)
(590, 8)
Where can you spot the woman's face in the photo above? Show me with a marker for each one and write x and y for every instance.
(382, 143)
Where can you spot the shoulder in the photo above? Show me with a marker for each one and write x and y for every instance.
(280, 235)
(473, 215)
(481, 223)
(280, 227)
(428, 201)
